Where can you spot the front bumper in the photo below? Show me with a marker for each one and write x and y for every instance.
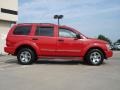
(9, 50)
(109, 53)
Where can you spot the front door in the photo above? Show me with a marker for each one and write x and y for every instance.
(67, 45)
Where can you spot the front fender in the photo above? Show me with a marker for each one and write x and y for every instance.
(93, 45)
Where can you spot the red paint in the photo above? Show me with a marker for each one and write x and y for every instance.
(54, 46)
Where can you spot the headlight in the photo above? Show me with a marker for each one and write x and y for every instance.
(108, 46)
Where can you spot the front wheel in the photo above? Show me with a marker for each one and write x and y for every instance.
(26, 56)
(94, 57)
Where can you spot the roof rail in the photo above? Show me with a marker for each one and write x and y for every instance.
(36, 23)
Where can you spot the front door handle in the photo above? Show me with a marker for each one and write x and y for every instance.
(60, 40)
(34, 38)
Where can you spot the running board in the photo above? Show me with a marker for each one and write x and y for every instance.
(50, 58)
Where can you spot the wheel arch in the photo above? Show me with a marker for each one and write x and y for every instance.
(26, 46)
(96, 47)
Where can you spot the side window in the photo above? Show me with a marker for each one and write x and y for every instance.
(45, 31)
(22, 30)
(66, 33)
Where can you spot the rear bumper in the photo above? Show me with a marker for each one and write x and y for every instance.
(9, 50)
(109, 53)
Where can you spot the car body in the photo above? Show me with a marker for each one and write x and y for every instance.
(50, 40)
(117, 46)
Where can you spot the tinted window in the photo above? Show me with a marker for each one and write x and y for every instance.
(45, 31)
(22, 30)
(66, 33)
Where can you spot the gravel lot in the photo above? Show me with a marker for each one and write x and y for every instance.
(59, 75)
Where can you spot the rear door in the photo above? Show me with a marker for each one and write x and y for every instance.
(45, 39)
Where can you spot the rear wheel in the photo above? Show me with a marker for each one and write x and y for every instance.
(26, 56)
(94, 57)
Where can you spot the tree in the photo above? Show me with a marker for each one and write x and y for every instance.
(118, 41)
(102, 37)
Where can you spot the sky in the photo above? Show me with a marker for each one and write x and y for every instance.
(90, 17)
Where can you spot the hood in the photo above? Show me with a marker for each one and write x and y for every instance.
(98, 41)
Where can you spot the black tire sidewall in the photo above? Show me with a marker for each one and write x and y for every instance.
(87, 57)
(32, 56)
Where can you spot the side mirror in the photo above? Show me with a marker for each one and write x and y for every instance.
(78, 36)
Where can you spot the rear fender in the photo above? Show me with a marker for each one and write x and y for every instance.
(28, 43)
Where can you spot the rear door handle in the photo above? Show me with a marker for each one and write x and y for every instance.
(60, 40)
(34, 38)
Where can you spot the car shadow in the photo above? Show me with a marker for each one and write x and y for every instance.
(10, 61)
(14, 61)
(59, 62)
(42, 61)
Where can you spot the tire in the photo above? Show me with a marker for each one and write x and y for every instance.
(26, 56)
(94, 57)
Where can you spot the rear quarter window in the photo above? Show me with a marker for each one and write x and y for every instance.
(22, 30)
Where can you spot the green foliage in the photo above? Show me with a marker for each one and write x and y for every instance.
(118, 41)
(102, 37)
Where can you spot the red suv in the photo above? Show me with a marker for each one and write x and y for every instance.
(30, 41)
